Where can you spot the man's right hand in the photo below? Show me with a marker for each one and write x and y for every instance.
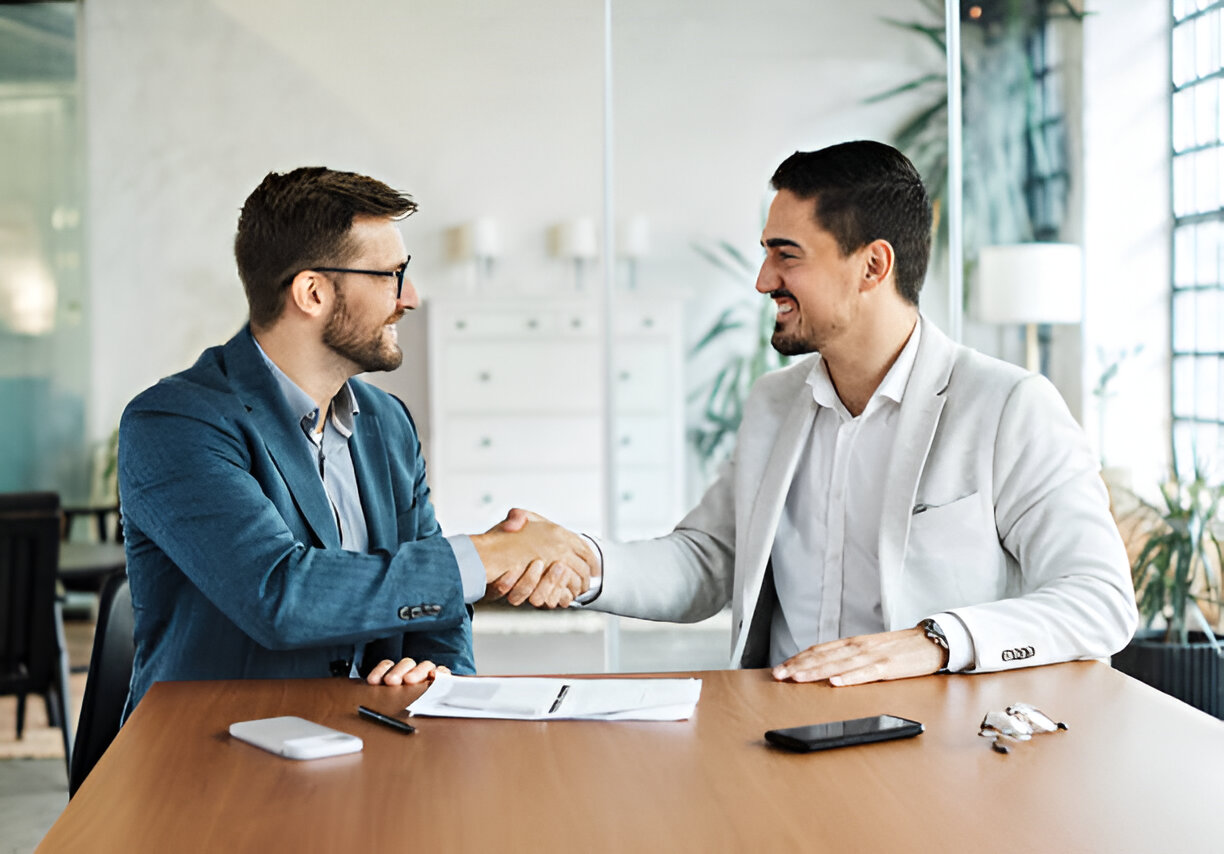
(528, 558)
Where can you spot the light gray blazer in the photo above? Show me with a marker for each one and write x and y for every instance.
(994, 510)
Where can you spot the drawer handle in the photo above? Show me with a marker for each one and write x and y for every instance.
(486, 499)
(576, 323)
(625, 441)
(626, 497)
(486, 442)
(624, 376)
(648, 322)
(461, 324)
(533, 323)
(485, 376)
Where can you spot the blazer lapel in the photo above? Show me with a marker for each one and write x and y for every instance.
(373, 481)
(255, 386)
(767, 506)
(919, 416)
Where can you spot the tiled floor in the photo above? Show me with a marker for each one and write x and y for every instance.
(33, 792)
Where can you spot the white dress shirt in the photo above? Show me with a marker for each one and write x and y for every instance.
(825, 554)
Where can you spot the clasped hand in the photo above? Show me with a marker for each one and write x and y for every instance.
(527, 558)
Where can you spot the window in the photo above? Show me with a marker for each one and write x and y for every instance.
(1198, 233)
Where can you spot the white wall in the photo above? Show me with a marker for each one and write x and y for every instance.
(476, 109)
(1127, 229)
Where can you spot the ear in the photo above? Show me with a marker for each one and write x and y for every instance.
(309, 294)
(878, 262)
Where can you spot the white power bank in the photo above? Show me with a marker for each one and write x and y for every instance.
(295, 738)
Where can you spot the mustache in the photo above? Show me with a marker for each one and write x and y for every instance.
(395, 318)
(781, 292)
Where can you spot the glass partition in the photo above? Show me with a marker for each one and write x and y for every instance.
(44, 339)
(494, 118)
(708, 99)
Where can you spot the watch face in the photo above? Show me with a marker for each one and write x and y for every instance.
(934, 632)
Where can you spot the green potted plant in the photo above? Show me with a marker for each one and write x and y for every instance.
(1177, 587)
(743, 332)
(1016, 168)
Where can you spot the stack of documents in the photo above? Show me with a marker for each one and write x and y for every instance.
(533, 699)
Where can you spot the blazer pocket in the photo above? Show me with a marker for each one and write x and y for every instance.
(924, 506)
(954, 547)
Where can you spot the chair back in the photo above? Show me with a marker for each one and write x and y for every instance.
(106, 687)
(29, 556)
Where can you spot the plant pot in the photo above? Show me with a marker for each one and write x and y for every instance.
(1193, 672)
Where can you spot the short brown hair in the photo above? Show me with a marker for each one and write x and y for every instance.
(301, 219)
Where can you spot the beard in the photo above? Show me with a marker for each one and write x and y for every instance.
(791, 343)
(369, 349)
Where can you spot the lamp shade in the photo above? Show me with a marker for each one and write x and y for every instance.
(480, 238)
(575, 239)
(633, 239)
(1030, 283)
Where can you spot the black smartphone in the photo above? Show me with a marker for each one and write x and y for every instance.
(843, 733)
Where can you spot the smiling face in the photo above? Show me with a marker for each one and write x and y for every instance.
(361, 326)
(816, 289)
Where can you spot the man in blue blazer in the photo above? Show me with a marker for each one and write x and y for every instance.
(276, 509)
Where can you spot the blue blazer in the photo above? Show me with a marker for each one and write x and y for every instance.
(234, 556)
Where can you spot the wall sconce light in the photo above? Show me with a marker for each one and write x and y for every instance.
(577, 241)
(633, 242)
(28, 296)
(480, 242)
(1032, 284)
(28, 292)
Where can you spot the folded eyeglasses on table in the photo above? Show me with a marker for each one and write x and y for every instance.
(1017, 723)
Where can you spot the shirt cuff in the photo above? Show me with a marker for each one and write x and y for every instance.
(596, 581)
(471, 567)
(961, 653)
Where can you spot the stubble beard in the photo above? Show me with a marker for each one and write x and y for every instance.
(370, 351)
(792, 342)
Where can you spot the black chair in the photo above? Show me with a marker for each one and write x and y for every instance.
(33, 655)
(107, 520)
(106, 687)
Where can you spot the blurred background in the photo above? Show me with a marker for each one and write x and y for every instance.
(592, 181)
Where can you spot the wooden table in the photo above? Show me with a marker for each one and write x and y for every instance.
(1138, 771)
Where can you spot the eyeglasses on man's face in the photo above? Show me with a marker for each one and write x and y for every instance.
(397, 274)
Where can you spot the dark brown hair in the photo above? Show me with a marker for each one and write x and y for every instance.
(301, 219)
(865, 191)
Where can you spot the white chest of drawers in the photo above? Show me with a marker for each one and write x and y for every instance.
(517, 412)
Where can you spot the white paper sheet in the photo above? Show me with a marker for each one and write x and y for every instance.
(535, 699)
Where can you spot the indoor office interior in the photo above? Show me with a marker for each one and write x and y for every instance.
(592, 180)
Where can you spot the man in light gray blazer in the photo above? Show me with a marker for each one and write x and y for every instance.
(897, 504)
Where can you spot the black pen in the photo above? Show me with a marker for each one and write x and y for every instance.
(394, 723)
(560, 696)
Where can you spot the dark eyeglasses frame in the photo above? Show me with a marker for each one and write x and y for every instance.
(398, 275)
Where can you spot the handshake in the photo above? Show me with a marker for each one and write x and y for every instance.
(530, 559)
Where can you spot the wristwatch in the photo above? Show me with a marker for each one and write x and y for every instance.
(937, 637)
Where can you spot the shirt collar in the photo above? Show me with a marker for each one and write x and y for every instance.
(343, 405)
(891, 387)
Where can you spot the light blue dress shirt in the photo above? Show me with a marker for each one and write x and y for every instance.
(331, 449)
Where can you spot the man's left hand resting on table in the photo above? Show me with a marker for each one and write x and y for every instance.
(406, 671)
(865, 658)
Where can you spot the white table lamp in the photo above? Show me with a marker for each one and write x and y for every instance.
(1030, 284)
